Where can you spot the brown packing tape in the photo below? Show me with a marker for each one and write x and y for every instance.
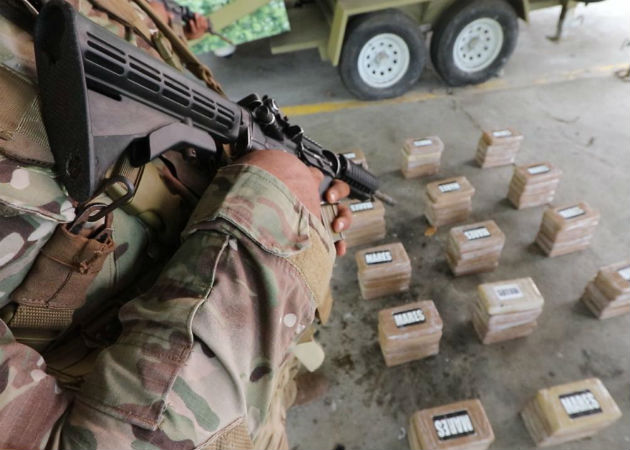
(600, 306)
(459, 271)
(490, 337)
(474, 256)
(414, 442)
(570, 411)
(606, 312)
(553, 250)
(502, 136)
(576, 215)
(419, 171)
(476, 236)
(531, 189)
(420, 146)
(408, 325)
(382, 261)
(446, 427)
(577, 229)
(509, 296)
(449, 190)
(400, 346)
(503, 321)
(610, 280)
(398, 358)
(540, 172)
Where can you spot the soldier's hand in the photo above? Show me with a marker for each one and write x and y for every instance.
(304, 182)
(338, 190)
(195, 28)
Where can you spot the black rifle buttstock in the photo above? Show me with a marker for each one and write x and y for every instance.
(100, 94)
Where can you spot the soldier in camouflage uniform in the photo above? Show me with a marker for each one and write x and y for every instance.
(201, 358)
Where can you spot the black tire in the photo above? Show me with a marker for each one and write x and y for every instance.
(453, 21)
(364, 28)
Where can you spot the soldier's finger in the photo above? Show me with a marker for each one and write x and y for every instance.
(202, 22)
(192, 27)
(337, 190)
(343, 220)
(341, 248)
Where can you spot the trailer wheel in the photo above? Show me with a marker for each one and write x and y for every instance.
(472, 41)
(383, 55)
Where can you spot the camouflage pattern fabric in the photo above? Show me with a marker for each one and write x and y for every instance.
(31, 205)
(198, 362)
(32, 202)
(200, 350)
(266, 21)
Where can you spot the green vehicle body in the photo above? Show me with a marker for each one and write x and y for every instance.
(321, 24)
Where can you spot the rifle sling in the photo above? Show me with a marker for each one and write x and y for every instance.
(192, 63)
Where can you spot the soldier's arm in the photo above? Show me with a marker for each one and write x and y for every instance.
(200, 351)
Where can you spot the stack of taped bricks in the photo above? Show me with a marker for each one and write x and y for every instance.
(357, 156)
(474, 248)
(421, 156)
(567, 229)
(608, 295)
(368, 222)
(457, 426)
(383, 270)
(498, 147)
(533, 185)
(506, 310)
(409, 332)
(569, 412)
(448, 201)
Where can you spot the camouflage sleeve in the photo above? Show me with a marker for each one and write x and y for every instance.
(30, 400)
(195, 364)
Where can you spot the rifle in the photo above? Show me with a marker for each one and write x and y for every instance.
(102, 97)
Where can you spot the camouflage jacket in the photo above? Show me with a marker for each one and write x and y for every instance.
(195, 362)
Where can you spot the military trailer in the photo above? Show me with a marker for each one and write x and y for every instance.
(379, 47)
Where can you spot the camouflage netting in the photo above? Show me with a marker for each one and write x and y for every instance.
(266, 21)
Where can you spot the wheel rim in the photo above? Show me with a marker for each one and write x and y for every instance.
(478, 45)
(383, 60)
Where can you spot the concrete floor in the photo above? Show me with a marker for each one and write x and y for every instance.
(574, 113)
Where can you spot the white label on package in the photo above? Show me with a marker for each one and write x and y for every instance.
(537, 170)
(625, 273)
(406, 318)
(363, 206)
(476, 233)
(580, 404)
(453, 425)
(381, 257)
(502, 133)
(570, 213)
(350, 155)
(508, 291)
(449, 187)
(422, 142)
